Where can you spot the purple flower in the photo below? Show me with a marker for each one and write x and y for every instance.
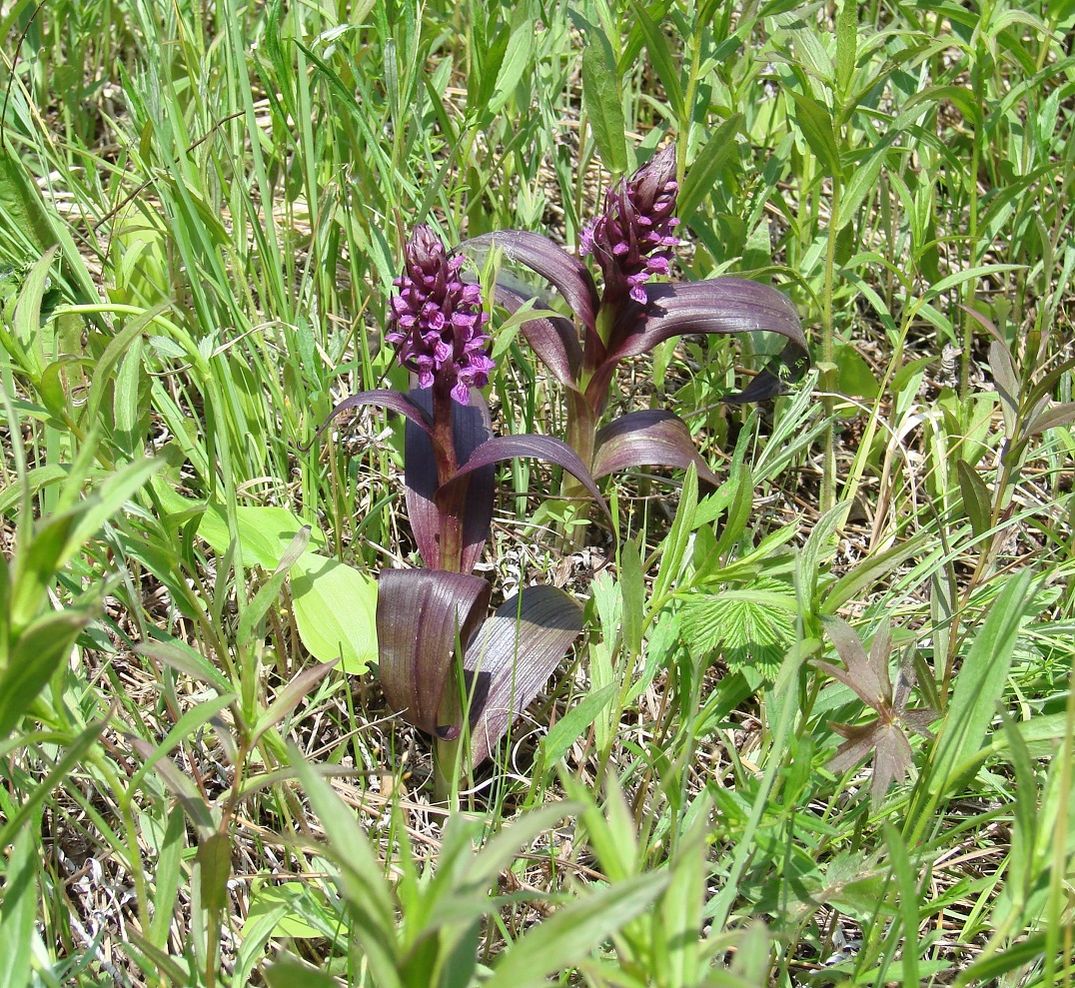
(633, 238)
(436, 321)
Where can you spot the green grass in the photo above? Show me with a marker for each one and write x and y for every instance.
(202, 208)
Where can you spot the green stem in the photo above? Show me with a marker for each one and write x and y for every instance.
(969, 286)
(828, 354)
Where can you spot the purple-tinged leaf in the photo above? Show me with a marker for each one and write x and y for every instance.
(565, 271)
(471, 428)
(866, 675)
(892, 756)
(719, 305)
(420, 615)
(512, 656)
(394, 401)
(652, 438)
(540, 447)
(1050, 417)
(290, 697)
(553, 340)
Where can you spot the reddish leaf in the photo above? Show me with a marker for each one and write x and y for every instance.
(565, 271)
(541, 447)
(653, 438)
(866, 675)
(553, 340)
(892, 758)
(719, 305)
(420, 614)
(471, 428)
(512, 656)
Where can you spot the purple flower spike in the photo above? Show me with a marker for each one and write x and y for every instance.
(436, 321)
(633, 238)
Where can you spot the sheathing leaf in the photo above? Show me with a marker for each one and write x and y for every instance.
(512, 656)
(421, 614)
(471, 427)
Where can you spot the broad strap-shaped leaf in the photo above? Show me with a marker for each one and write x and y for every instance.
(719, 305)
(540, 447)
(512, 656)
(420, 615)
(471, 428)
(394, 401)
(651, 438)
(553, 340)
(566, 272)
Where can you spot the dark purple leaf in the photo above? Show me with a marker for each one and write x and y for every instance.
(565, 271)
(653, 438)
(553, 340)
(719, 305)
(383, 398)
(471, 427)
(512, 656)
(420, 614)
(542, 448)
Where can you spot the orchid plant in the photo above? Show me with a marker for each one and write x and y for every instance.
(631, 241)
(426, 617)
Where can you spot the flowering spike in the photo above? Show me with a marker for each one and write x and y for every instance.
(436, 321)
(633, 238)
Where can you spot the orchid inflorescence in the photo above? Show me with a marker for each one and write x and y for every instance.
(437, 324)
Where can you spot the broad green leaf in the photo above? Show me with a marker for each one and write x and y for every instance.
(516, 59)
(633, 589)
(36, 655)
(976, 497)
(661, 58)
(296, 900)
(706, 168)
(335, 609)
(853, 374)
(19, 911)
(27, 322)
(264, 532)
(603, 102)
(980, 683)
(289, 972)
(675, 544)
(569, 728)
(815, 123)
(20, 202)
(846, 42)
(214, 864)
(570, 934)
